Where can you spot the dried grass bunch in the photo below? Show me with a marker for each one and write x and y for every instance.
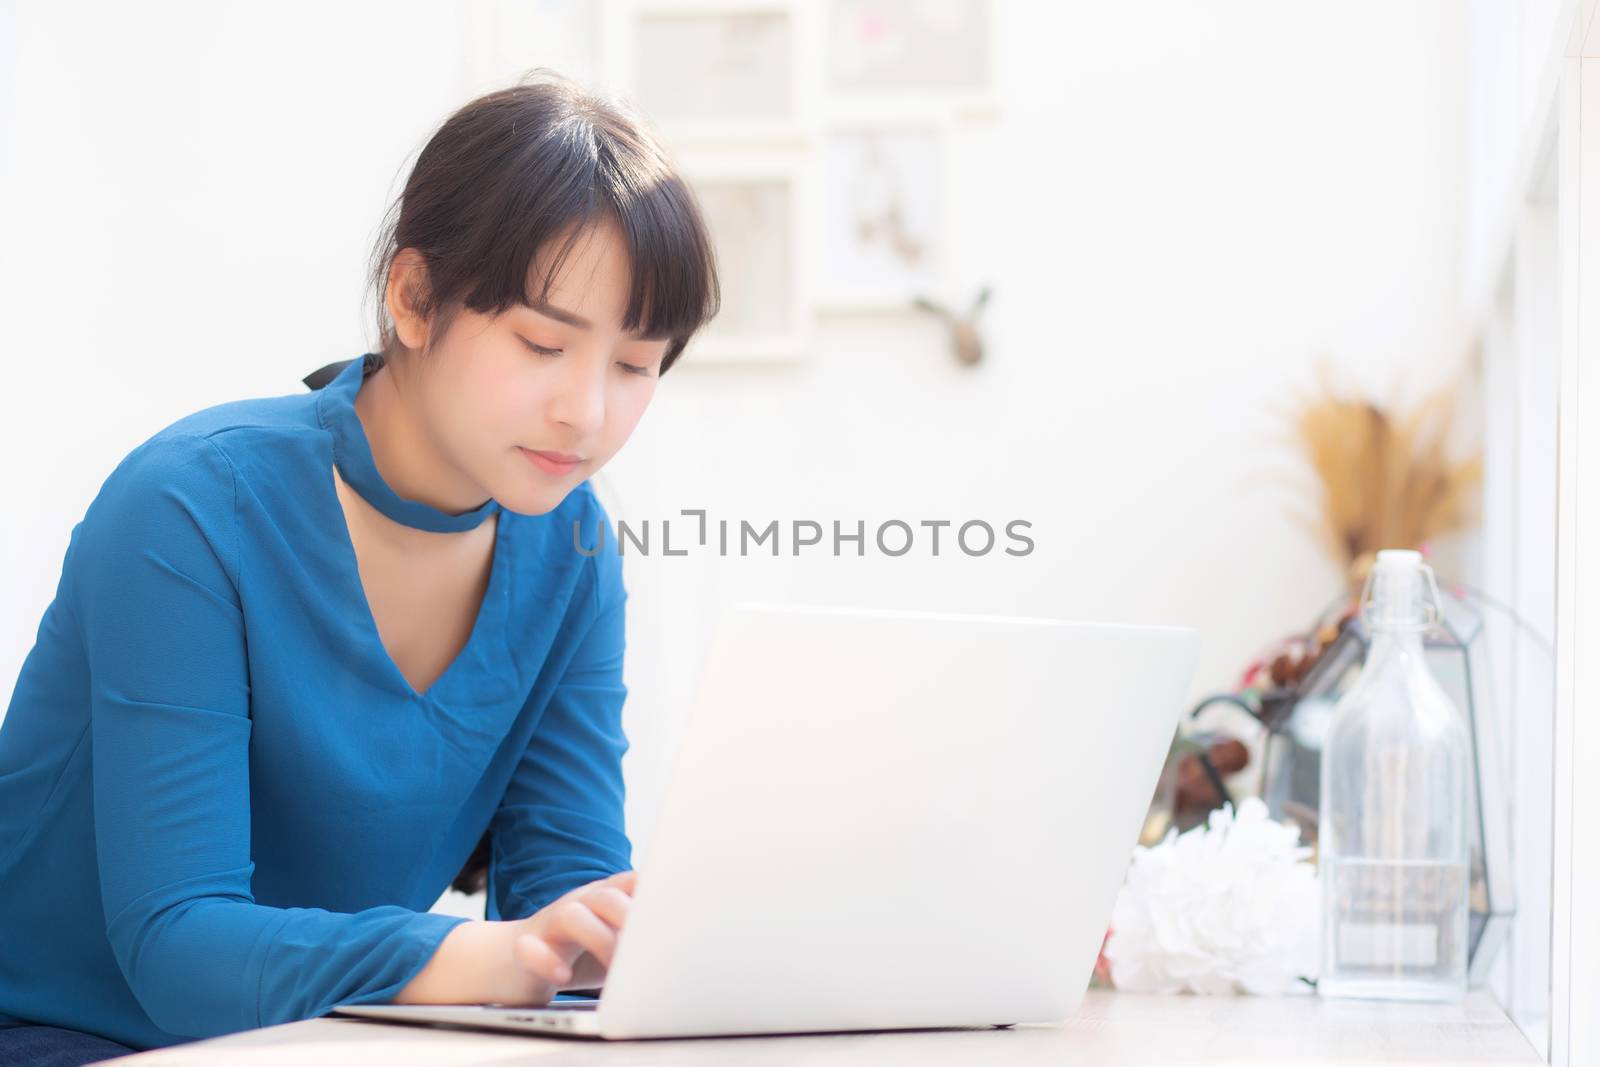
(1388, 479)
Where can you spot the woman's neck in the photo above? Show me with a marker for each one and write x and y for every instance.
(405, 458)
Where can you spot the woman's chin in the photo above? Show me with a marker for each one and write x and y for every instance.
(535, 499)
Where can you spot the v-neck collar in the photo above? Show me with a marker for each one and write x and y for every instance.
(352, 452)
(483, 674)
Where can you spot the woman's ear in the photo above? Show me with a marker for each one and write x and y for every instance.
(408, 279)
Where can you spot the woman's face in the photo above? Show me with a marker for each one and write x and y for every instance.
(527, 404)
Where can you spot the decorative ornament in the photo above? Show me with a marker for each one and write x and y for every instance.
(963, 328)
(1230, 906)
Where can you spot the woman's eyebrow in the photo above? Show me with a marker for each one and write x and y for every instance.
(572, 318)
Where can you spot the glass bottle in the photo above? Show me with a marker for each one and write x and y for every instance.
(1394, 815)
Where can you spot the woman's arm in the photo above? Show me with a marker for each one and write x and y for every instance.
(474, 964)
(156, 568)
(558, 835)
(560, 823)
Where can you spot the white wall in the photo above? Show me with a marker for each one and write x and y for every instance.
(192, 193)
(1181, 206)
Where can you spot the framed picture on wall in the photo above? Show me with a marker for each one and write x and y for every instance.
(757, 208)
(710, 69)
(884, 208)
(911, 52)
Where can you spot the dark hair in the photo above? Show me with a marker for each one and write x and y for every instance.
(474, 876)
(520, 167)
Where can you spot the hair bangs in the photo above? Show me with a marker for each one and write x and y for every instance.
(535, 167)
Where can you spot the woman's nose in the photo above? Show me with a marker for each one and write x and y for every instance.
(580, 400)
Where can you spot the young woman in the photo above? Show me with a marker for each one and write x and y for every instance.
(310, 652)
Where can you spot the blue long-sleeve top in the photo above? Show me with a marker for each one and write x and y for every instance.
(222, 806)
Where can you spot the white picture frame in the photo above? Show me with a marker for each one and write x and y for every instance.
(758, 206)
(885, 202)
(765, 44)
(930, 55)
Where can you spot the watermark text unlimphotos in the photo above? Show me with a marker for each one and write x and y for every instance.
(892, 537)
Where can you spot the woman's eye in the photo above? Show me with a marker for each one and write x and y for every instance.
(632, 368)
(541, 349)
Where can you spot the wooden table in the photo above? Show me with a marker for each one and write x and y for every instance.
(1110, 1028)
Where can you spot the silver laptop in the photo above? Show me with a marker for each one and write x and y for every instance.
(883, 820)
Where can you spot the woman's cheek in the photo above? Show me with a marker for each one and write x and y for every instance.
(626, 411)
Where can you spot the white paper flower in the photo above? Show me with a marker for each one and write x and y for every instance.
(1230, 906)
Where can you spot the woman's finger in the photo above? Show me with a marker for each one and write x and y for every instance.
(539, 959)
(575, 924)
(610, 903)
(623, 880)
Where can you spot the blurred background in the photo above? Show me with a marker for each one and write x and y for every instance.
(1195, 223)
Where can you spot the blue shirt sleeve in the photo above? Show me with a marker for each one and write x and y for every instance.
(157, 561)
(560, 823)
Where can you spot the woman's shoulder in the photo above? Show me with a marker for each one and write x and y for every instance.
(289, 415)
(591, 534)
(574, 544)
(195, 464)
(172, 500)
(221, 438)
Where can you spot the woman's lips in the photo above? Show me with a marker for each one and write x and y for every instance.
(552, 462)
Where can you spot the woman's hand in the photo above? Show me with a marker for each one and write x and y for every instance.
(567, 944)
